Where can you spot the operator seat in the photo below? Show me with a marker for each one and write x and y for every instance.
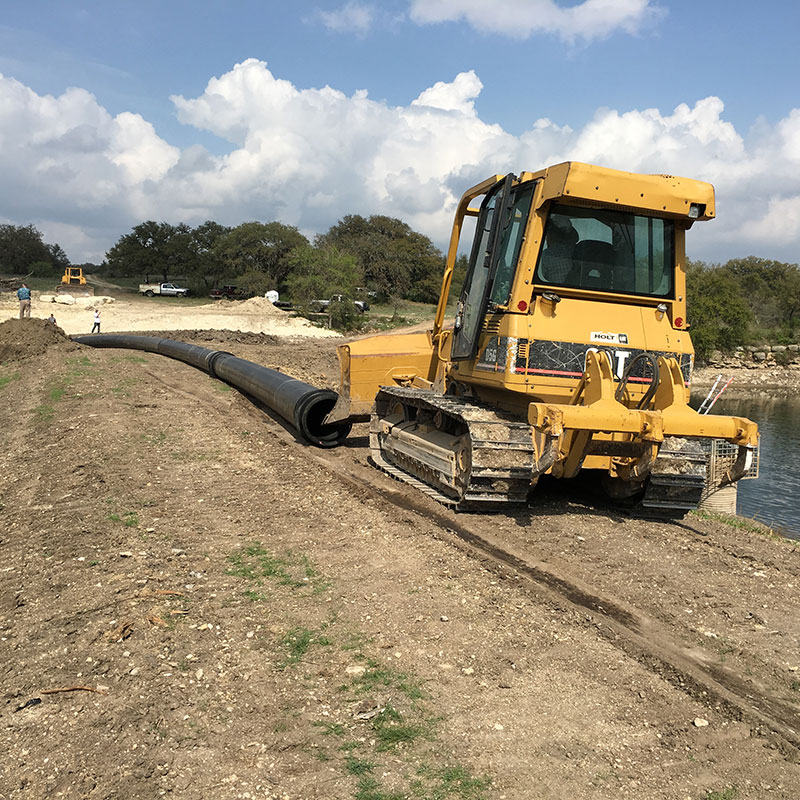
(595, 260)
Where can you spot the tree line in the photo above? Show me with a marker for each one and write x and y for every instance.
(744, 301)
(380, 253)
(23, 251)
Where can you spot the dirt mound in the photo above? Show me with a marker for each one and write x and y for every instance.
(260, 305)
(25, 338)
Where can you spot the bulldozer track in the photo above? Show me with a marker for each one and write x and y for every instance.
(501, 458)
(500, 455)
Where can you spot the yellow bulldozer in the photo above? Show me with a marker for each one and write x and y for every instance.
(569, 351)
(73, 282)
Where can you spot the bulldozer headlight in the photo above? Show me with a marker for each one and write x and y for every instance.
(696, 210)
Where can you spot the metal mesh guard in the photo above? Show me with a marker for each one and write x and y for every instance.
(721, 457)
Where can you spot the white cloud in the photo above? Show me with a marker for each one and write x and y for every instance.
(307, 157)
(520, 19)
(353, 17)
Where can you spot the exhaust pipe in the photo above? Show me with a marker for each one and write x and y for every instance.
(303, 406)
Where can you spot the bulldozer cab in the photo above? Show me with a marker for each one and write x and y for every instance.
(608, 252)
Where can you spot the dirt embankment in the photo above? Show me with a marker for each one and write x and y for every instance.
(193, 604)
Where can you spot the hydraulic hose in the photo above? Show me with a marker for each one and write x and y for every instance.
(651, 389)
(303, 406)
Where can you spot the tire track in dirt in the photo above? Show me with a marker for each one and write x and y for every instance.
(630, 630)
(633, 632)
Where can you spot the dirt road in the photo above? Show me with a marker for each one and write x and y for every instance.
(236, 615)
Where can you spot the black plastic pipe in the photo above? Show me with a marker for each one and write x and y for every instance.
(300, 404)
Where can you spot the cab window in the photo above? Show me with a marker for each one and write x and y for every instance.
(607, 250)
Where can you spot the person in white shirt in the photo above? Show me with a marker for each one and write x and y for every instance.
(96, 326)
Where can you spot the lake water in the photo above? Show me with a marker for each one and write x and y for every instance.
(774, 497)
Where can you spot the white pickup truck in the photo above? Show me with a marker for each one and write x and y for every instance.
(164, 289)
(322, 305)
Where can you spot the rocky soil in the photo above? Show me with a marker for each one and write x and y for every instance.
(193, 604)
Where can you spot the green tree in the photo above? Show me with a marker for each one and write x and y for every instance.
(760, 279)
(207, 269)
(321, 273)
(254, 282)
(259, 247)
(716, 308)
(22, 247)
(772, 289)
(153, 249)
(58, 259)
(394, 260)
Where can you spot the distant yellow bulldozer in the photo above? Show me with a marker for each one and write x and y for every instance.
(73, 282)
(570, 350)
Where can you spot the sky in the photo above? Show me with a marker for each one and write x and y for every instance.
(113, 112)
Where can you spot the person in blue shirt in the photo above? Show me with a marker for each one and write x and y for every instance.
(24, 296)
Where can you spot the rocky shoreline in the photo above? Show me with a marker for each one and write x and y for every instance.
(772, 370)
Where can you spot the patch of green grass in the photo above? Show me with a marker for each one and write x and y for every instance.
(132, 359)
(440, 783)
(378, 676)
(130, 519)
(742, 524)
(220, 386)
(124, 387)
(255, 563)
(45, 412)
(724, 794)
(79, 362)
(389, 323)
(298, 641)
(6, 379)
(330, 728)
(56, 393)
(391, 729)
(58, 387)
(358, 766)
(355, 642)
(370, 789)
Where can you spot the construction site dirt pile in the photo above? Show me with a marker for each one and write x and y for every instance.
(21, 339)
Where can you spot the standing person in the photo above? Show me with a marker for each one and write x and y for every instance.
(51, 319)
(96, 326)
(24, 297)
